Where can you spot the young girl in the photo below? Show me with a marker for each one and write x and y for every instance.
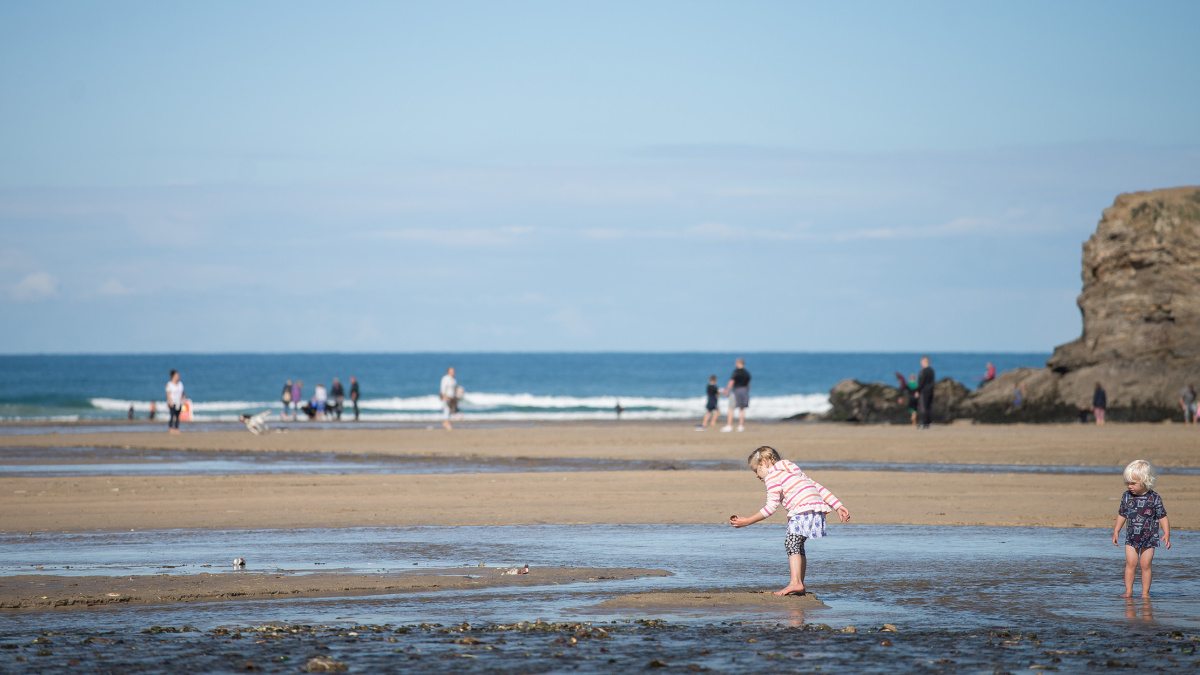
(807, 503)
(1142, 509)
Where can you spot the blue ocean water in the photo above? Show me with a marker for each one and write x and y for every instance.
(403, 387)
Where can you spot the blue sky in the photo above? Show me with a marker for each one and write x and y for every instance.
(569, 176)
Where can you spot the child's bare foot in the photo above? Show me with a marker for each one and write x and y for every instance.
(1145, 596)
(797, 589)
(1127, 594)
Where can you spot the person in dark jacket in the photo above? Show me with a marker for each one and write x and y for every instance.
(1099, 403)
(925, 394)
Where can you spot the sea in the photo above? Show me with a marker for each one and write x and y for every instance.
(503, 387)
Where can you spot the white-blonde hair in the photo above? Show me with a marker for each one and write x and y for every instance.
(1140, 471)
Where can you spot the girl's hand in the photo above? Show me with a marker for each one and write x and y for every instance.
(1115, 539)
(844, 514)
(738, 521)
(1167, 541)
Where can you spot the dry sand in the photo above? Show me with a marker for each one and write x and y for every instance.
(684, 600)
(37, 591)
(287, 501)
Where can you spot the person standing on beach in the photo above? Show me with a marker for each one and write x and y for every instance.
(1187, 401)
(925, 394)
(297, 397)
(286, 398)
(738, 391)
(447, 391)
(320, 396)
(354, 395)
(153, 410)
(711, 410)
(1099, 404)
(339, 397)
(174, 401)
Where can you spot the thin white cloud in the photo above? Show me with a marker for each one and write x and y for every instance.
(113, 287)
(726, 232)
(958, 226)
(34, 287)
(470, 237)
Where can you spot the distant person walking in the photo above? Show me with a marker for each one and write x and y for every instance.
(174, 401)
(710, 408)
(297, 397)
(1099, 403)
(1187, 401)
(153, 411)
(447, 391)
(320, 396)
(286, 399)
(908, 391)
(354, 395)
(738, 391)
(339, 397)
(925, 381)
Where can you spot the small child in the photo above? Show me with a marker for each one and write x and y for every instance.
(711, 407)
(807, 503)
(1142, 510)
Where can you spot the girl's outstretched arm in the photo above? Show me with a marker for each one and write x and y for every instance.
(1117, 529)
(1166, 531)
(738, 521)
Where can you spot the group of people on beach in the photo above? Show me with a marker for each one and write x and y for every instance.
(323, 403)
(1141, 513)
(737, 390)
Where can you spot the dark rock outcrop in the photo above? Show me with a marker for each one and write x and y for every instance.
(873, 402)
(1141, 321)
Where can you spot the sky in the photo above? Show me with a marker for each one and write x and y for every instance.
(547, 176)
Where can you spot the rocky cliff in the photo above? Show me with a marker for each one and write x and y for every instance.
(1141, 320)
(1141, 329)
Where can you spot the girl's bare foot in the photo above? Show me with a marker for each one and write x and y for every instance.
(1127, 594)
(1145, 596)
(790, 589)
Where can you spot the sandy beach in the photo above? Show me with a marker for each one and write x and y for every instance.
(57, 504)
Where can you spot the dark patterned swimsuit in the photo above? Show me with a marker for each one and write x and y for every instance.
(1142, 513)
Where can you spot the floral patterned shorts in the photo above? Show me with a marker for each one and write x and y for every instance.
(801, 527)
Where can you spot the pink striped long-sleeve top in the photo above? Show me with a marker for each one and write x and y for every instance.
(788, 485)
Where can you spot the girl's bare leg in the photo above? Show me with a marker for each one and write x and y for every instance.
(796, 565)
(1147, 558)
(1131, 562)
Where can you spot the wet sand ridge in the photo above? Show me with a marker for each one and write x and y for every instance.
(1112, 445)
(40, 591)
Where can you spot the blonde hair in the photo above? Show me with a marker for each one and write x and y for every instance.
(1140, 471)
(764, 454)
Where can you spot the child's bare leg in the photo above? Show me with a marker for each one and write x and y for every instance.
(1147, 558)
(1131, 561)
(796, 565)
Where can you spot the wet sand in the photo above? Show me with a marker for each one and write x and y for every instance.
(1111, 445)
(40, 591)
(56, 504)
(675, 601)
